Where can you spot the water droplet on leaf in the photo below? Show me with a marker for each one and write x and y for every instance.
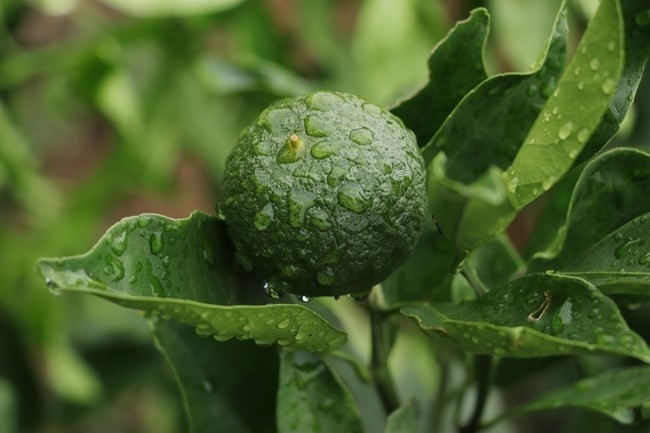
(594, 64)
(155, 242)
(565, 131)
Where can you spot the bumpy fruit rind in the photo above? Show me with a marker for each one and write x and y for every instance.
(324, 194)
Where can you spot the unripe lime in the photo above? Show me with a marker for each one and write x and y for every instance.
(324, 194)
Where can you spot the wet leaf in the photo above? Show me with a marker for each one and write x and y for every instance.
(455, 67)
(622, 394)
(637, 50)
(215, 379)
(567, 121)
(468, 154)
(612, 250)
(312, 398)
(537, 315)
(184, 270)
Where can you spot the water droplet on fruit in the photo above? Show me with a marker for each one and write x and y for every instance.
(594, 64)
(299, 202)
(361, 136)
(351, 196)
(565, 131)
(155, 242)
(336, 174)
(315, 126)
(324, 149)
(323, 101)
(264, 218)
(371, 109)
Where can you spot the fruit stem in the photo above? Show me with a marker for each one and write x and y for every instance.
(383, 335)
(473, 279)
(485, 370)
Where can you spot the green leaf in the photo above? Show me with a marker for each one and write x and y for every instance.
(217, 380)
(455, 67)
(607, 231)
(404, 419)
(312, 398)
(637, 51)
(184, 270)
(534, 316)
(574, 109)
(162, 8)
(622, 394)
(467, 155)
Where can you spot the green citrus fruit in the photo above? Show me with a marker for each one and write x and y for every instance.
(324, 194)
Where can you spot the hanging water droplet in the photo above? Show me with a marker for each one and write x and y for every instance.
(304, 298)
(565, 131)
(548, 183)
(594, 64)
(155, 242)
(53, 287)
(271, 291)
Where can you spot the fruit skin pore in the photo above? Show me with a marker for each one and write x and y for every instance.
(324, 195)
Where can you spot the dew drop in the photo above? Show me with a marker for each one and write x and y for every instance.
(581, 85)
(271, 291)
(283, 324)
(626, 247)
(361, 136)
(608, 86)
(304, 298)
(583, 136)
(247, 327)
(594, 64)
(644, 259)
(565, 131)
(547, 87)
(120, 243)
(532, 90)
(548, 183)
(513, 184)
(53, 287)
(573, 153)
(611, 46)
(371, 109)
(300, 335)
(144, 221)
(155, 242)
(324, 101)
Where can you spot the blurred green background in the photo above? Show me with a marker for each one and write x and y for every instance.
(117, 107)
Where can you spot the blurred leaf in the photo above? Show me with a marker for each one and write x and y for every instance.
(388, 45)
(622, 394)
(611, 250)
(455, 67)
(70, 376)
(183, 270)
(534, 316)
(567, 121)
(466, 156)
(8, 422)
(312, 398)
(404, 419)
(520, 28)
(221, 383)
(637, 50)
(161, 8)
